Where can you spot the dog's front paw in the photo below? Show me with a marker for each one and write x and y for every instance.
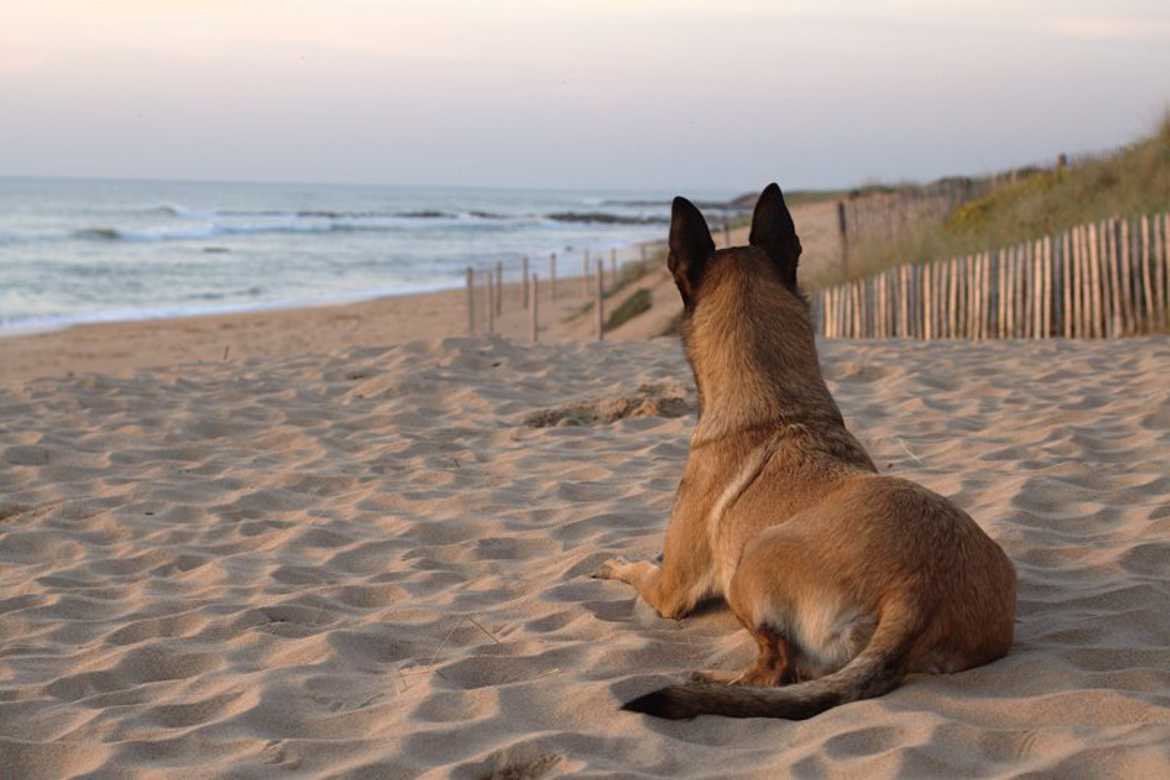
(611, 569)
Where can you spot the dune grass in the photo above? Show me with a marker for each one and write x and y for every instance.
(1036, 202)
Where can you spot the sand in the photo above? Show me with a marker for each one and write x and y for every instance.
(369, 563)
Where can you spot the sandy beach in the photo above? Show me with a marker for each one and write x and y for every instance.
(371, 562)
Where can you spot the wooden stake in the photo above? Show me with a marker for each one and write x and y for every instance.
(1000, 277)
(985, 296)
(975, 277)
(1066, 313)
(1046, 308)
(524, 273)
(941, 298)
(613, 277)
(1129, 311)
(1078, 245)
(552, 276)
(953, 298)
(470, 301)
(491, 308)
(1160, 270)
(1163, 270)
(842, 312)
(499, 288)
(927, 310)
(907, 312)
(534, 310)
(1097, 329)
(1017, 292)
(826, 312)
(1117, 320)
(1029, 320)
(599, 303)
(858, 309)
(1146, 311)
(846, 311)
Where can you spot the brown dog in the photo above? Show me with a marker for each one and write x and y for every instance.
(846, 579)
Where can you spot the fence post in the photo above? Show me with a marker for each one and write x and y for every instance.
(927, 310)
(524, 273)
(985, 295)
(1025, 282)
(600, 321)
(499, 287)
(843, 231)
(726, 233)
(1147, 280)
(1115, 322)
(948, 297)
(1038, 288)
(1127, 279)
(470, 301)
(1164, 269)
(1078, 277)
(829, 313)
(1065, 286)
(969, 293)
(491, 304)
(1000, 293)
(1095, 278)
(534, 310)
(552, 276)
(1160, 268)
(1046, 287)
(613, 277)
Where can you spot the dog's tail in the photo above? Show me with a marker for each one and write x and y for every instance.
(876, 670)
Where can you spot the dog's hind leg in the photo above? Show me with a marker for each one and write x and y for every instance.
(773, 665)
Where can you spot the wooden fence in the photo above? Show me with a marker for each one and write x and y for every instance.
(485, 291)
(1100, 280)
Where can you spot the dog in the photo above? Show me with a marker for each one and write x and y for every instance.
(847, 580)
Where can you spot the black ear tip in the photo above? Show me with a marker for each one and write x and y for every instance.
(681, 205)
(773, 191)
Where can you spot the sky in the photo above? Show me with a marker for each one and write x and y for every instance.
(636, 94)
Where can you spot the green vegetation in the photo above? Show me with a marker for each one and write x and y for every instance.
(631, 307)
(627, 274)
(1035, 202)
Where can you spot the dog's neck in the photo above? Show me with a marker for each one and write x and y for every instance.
(755, 365)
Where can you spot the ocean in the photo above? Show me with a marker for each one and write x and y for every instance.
(76, 251)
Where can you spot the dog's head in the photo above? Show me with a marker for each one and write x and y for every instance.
(773, 248)
(743, 312)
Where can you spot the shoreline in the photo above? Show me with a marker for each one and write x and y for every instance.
(124, 347)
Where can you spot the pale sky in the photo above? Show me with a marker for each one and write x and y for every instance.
(641, 94)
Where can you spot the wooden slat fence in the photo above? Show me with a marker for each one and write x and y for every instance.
(1100, 280)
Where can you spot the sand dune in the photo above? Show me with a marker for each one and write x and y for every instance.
(371, 563)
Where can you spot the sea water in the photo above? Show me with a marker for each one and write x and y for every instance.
(74, 251)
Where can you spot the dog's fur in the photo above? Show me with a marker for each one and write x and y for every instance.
(846, 579)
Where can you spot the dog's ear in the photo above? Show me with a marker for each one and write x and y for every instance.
(774, 232)
(690, 247)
